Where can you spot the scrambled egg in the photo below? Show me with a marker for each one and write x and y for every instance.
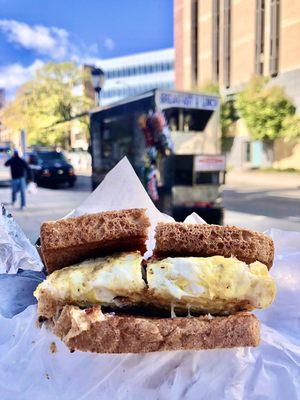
(96, 281)
(211, 284)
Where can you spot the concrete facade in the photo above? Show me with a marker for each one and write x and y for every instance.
(243, 38)
(182, 41)
(205, 41)
(237, 39)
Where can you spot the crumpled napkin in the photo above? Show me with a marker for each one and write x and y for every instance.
(16, 251)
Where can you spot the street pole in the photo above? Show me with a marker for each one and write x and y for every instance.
(97, 97)
(98, 78)
(23, 141)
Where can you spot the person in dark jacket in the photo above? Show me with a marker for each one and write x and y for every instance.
(18, 168)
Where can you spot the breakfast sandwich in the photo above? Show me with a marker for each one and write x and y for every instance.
(194, 293)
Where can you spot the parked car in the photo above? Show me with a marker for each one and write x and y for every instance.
(50, 167)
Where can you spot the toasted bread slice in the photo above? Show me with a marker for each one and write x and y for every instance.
(90, 330)
(72, 240)
(180, 239)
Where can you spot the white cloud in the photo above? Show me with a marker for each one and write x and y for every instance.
(109, 44)
(14, 75)
(51, 41)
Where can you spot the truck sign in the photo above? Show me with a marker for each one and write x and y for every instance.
(209, 163)
(168, 99)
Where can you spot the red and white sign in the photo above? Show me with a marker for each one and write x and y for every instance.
(209, 163)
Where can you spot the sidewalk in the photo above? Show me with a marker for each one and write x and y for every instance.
(46, 205)
(263, 179)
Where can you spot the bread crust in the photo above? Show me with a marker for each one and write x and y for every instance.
(132, 334)
(72, 240)
(180, 239)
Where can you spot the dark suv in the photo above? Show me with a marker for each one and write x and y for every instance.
(51, 168)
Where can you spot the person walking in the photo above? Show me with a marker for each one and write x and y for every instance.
(18, 168)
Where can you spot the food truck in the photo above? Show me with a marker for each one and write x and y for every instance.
(173, 142)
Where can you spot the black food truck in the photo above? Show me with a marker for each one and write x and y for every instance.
(172, 140)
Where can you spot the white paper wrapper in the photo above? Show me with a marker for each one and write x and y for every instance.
(120, 189)
(16, 251)
(28, 369)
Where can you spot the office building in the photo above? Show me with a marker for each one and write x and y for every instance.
(226, 42)
(129, 75)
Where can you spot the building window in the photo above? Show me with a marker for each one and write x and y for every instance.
(227, 37)
(274, 37)
(194, 37)
(260, 37)
(215, 39)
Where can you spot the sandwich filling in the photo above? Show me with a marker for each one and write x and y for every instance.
(210, 284)
(213, 285)
(96, 281)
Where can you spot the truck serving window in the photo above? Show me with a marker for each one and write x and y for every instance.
(187, 120)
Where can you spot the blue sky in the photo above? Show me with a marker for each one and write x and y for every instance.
(33, 32)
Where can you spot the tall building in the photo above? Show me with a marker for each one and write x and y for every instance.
(129, 75)
(228, 41)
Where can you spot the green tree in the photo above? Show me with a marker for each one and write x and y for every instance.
(45, 106)
(264, 109)
(291, 127)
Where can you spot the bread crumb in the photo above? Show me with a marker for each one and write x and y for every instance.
(53, 347)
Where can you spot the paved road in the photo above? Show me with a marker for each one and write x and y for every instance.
(262, 209)
(261, 200)
(255, 206)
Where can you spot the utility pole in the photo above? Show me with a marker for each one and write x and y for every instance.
(23, 141)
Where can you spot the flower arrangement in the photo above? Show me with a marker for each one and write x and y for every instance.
(159, 145)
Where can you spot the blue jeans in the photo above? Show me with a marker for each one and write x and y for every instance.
(19, 185)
